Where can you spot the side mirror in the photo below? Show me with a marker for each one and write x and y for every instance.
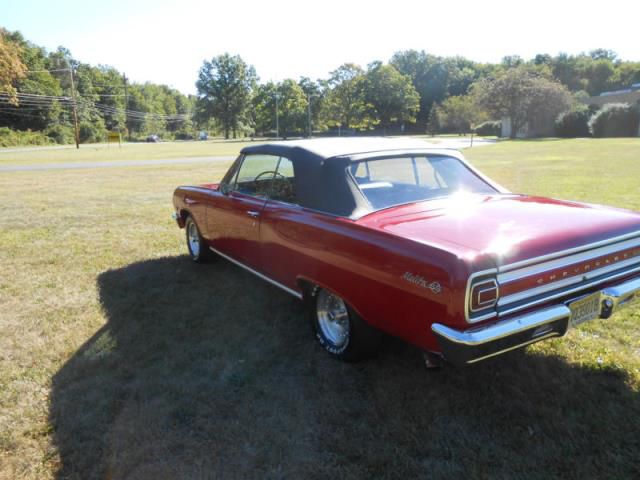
(225, 189)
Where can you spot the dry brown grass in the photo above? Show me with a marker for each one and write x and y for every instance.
(122, 359)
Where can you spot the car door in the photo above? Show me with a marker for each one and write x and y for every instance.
(233, 222)
(281, 232)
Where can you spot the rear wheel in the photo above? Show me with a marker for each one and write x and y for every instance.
(198, 248)
(339, 329)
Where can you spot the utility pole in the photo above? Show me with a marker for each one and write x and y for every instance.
(277, 121)
(126, 106)
(309, 97)
(309, 112)
(75, 105)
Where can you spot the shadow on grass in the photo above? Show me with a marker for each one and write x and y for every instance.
(207, 372)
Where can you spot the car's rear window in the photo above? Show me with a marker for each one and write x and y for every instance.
(395, 181)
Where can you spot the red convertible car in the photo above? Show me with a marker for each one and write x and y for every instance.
(383, 235)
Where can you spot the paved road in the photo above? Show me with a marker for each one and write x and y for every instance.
(457, 144)
(112, 164)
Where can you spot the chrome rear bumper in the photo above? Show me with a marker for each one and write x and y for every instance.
(463, 347)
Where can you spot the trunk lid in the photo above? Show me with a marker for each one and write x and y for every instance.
(509, 228)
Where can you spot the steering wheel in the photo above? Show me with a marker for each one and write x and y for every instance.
(272, 172)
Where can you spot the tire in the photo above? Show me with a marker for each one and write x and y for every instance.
(198, 248)
(339, 329)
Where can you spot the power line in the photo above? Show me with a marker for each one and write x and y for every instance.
(38, 105)
(52, 70)
(34, 102)
(103, 95)
(36, 95)
(112, 109)
(102, 85)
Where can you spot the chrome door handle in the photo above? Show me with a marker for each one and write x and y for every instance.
(253, 214)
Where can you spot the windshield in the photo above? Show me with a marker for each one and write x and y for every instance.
(394, 181)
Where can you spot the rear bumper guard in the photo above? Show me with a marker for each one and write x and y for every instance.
(463, 347)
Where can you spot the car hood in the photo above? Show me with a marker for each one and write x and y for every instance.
(508, 228)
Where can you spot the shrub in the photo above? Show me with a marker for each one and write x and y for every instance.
(489, 128)
(61, 134)
(183, 134)
(573, 123)
(17, 138)
(92, 133)
(615, 120)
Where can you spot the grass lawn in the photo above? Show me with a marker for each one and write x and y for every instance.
(120, 358)
(132, 151)
(128, 151)
(603, 171)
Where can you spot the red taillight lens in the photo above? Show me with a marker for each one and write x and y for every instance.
(483, 295)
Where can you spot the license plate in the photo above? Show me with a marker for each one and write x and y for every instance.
(585, 309)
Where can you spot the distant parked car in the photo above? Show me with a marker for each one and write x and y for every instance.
(203, 136)
(153, 139)
(396, 236)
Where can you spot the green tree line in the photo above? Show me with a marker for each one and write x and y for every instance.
(39, 97)
(413, 92)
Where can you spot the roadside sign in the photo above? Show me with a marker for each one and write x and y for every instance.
(114, 137)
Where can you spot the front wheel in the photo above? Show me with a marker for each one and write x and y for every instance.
(339, 329)
(198, 248)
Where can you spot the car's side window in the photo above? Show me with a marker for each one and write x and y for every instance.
(255, 174)
(283, 186)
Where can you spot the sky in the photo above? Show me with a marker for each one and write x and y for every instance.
(165, 41)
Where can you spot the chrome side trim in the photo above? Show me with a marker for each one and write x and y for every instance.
(511, 275)
(551, 256)
(502, 329)
(258, 274)
(567, 292)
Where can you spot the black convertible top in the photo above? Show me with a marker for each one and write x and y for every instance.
(319, 149)
(320, 166)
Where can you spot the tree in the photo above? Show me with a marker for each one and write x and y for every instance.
(224, 90)
(291, 105)
(316, 93)
(346, 105)
(512, 61)
(433, 123)
(521, 95)
(459, 114)
(603, 54)
(11, 67)
(391, 94)
(542, 59)
(435, 78)
(40, 114)
(626, 74)
(429, 76)
(599, 74)
(100, 96)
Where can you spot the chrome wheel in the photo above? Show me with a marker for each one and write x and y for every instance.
(193, 238)
(333, 318)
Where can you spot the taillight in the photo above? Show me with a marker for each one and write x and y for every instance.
(483, 295)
